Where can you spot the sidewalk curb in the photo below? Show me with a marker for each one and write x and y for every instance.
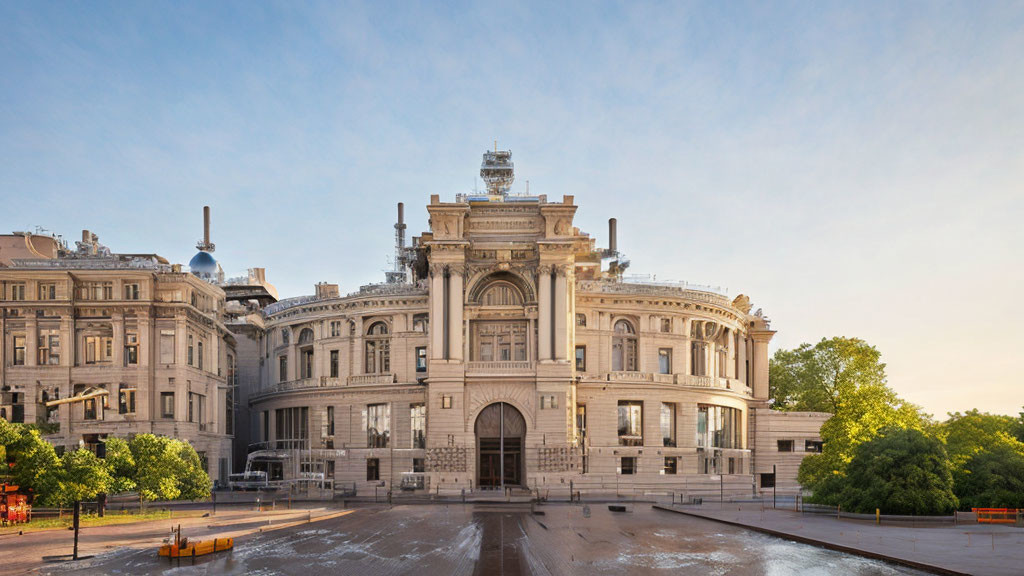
(823, 544)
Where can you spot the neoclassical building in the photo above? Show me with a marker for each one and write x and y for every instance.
(97, 344)
(508, 349)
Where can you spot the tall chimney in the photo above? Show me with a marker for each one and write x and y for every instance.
(86, 237)
(401, 213)
(206, 225)
(613, 244)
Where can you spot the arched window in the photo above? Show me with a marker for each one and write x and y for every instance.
(501, 294)
(378, 349)
(624, 347)
(306, 353)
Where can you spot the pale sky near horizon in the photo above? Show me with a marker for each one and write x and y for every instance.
(857, 169)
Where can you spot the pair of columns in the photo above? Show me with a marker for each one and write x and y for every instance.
(446, 315)
(552, 314)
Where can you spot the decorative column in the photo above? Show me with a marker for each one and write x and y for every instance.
(31, 339)
(544, 313)
(760, 362)
(117, 328)
(455, 314)
(436, 312)
(561, 304)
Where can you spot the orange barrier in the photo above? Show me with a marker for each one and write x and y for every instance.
(996, 515)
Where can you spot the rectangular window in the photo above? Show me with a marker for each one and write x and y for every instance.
(197, 409)
(167, 404)
(131, 349)
(668, 424)
(17, 291)
(419, 465)
(19, 350)
(329, 473)
(813, 445)
(292, 424)
(631, 423)
(446, 402)
(98, 349)
(330, 420)
(581, 358)
(665, 360)
(372, 469)
(581, 320)
(421, 359)
(768, 480)
(418, 417)
(666, 325)
(282, 368)
(49, 348)
(334, 363)
(378, 425)
(670, 464)
(90, 409)
(494, 341)
(125, 400)
(719, 427)
(199, 350)
(627, 465)
(335, 329)
(548, 401)
(419, 322)
(131, 291)
(732, 465)
(167, 346)
(190, 356)
(47, 291)
(785, 445)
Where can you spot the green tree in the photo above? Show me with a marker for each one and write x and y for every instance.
(120, 465)
(35, 464)
(815, 378)
(80, 476)
(987, 459)
(193, 481)
(993, 478)
(167, 469)
(901, 471)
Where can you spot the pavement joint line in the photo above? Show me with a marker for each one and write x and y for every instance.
(302, 522)
(822, 543)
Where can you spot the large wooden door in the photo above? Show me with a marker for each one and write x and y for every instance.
(500, 431)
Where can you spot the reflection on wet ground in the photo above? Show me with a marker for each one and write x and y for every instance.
(468, 539)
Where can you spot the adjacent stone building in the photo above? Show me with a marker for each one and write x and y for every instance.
(97, 344)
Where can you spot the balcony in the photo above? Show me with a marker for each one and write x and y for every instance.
(713, 382)
(639, 377)
(499, 368)
(371, 379)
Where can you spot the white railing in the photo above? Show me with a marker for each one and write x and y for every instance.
(639, 377)
(500, 367)
(370, 379)
(680, 380)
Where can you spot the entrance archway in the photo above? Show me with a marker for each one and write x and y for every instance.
(500, 441)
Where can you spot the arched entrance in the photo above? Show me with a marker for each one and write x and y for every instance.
(500, 438)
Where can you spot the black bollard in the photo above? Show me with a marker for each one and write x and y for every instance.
(78, 505)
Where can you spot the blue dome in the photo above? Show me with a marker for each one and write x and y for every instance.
(203, 265)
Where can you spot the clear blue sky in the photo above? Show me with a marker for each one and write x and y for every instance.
(856, 168)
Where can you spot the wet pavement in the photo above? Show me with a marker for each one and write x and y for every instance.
(500, 539)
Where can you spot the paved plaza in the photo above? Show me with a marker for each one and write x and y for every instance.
(461, 540)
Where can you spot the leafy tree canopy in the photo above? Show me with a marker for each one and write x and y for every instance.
(121, 465)
(901, 471)
(80, 476)
(815, 378)
(167, 469)
(992, 478)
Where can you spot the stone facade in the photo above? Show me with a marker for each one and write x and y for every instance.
(97, 344)
(600, 382)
